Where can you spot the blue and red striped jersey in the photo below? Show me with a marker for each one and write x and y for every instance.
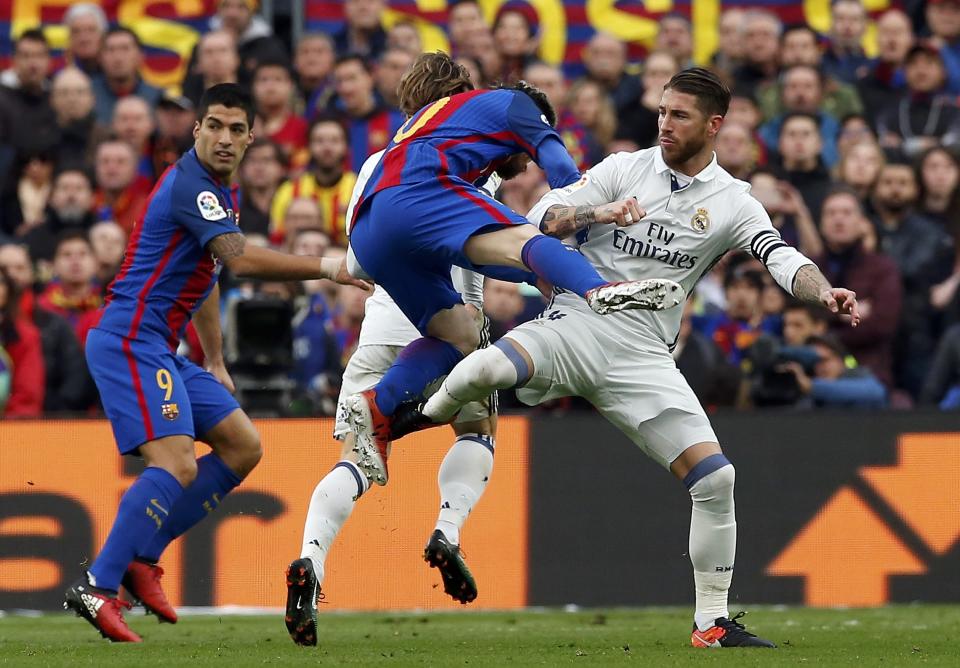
(370, 134)
(468, 136)
(167, 271)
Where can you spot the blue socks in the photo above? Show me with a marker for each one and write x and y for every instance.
(213, 482)
(143, 509)
(560, 265)
(417, 365)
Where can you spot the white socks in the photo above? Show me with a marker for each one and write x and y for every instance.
(463, 477)
(713, 543)
(331, 504)
(474, 378)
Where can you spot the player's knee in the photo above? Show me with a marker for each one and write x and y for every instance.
(184, 469)
(249, 452)
(467, 339)
(493, 369)
(716, 486)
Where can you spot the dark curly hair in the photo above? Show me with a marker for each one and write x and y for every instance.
(539, 98)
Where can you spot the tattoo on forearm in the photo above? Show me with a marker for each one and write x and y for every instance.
(809, 283)
(562, 221)
(227, 246)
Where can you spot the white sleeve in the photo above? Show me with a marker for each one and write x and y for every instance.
(601, 184)
(469, 283)
(362, 177)
(755, 234)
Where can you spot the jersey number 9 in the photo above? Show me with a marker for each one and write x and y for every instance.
(165, 383)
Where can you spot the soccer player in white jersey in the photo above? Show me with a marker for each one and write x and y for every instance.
(465, 470)
(693, 213)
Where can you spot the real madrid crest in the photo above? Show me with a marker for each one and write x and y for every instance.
(700, 221)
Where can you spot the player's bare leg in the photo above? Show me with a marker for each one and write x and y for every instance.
(236, 452)
(144, 509)
(709, 477)
(525, 247)
(462, 479)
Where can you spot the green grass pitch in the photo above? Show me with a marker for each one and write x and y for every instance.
(893, 636)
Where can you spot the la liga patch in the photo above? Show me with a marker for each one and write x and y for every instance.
(209, 206)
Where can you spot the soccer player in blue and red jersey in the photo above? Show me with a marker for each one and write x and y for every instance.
(157, 402)
(421, 212)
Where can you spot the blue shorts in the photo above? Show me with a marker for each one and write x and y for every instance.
(408, 237)
(148, 392)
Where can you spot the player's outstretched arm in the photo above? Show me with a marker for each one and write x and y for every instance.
(248, 261)
(812, 286)
(563, 221)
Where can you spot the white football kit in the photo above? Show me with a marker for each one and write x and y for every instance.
(385, 330)
(621, 362)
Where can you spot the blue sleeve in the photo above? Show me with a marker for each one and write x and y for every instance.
(199, 207)
(540, 139)
(555, 161)
(861, 392)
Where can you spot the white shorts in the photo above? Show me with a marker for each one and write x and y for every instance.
(634, 383)
(365, 369)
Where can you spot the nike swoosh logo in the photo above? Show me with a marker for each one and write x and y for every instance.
(299, 602)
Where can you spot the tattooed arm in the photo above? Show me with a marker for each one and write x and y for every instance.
(248, 261)
(563, 221)
(811, 286)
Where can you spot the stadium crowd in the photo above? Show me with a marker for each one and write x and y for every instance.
(855, 158)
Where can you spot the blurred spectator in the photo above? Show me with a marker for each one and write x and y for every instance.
(391, 67)
(834, 384)
(802, 92)
(347, 318)
(120, 61)
(34, 185)
(787, 210)
(24, 98)
(68, 386)
(942, 384)
(854, 129)
(736, 150)
(744, 109)
(369, 125)
(465, 20)
(943, 20)
(938, 177)
(924, 254)
(405, 36)
(503, 304)
(523, 191)
(743, 321)
(844, 57)
(21, 340)
(313, 63)
(592, 107)
(74, 294)
(175, 117)
(133, 123)
(924, 115)
(218, 61)
(675, 36)
(261, 173)
(605, 58)
(254, 38)
(702, 363)
(301, 213)
(362, 33)
(71, 97)
(473, 69)
(730, 49)
(314, 243)
(873, 276)
(802, 321)
(109, 242)
(70, 208)
(884, 79)
(799, 45)
(761, 47)
(640, 124)
(273, 88)
(800, 145)
(86, 23)
(485, 52)
(325, 181)
(860, 167)
(580, 142)
(515, 39)
(121, 192)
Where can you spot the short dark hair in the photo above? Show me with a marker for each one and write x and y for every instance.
(743, 272)
(842, 189)
(799, 27)
(353, 57)
(321, 119)
(790, 115)
(539, 98)
(713, 96)
(122, 30)
(829, 342)
(261, 142)
(32, 35)
(274, 61)
(815, 312)
(229, 95)
(73, 168)
(71, 235)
